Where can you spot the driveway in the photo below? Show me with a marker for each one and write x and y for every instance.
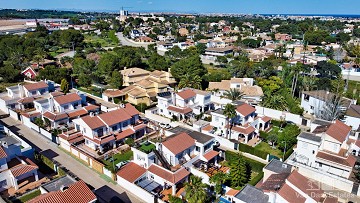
(40, 143)
(127, 42)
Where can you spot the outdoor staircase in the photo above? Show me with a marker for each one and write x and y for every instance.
(162, 159)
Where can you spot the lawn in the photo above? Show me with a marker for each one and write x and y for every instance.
(147, 147)
(60, 51)
(105, 42)
(30, 196)
(95, 92)
(265, 147)
(117, 159)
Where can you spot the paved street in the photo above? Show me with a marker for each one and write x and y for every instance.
(80, 170)
(126, 42)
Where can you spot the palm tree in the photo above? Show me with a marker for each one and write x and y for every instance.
(189, 80)
(230, 113)
(40, 55)
(233, 94)
(218, 179)
(276, 102)
(309, 83)
(195, 190)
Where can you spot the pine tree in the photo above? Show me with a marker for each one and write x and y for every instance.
(238, 172)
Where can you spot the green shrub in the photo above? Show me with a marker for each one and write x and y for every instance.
(129, 141)
(276, 122)
(264, 135)
(255, 165)
(252, 150)
(30, 196)
(256, 179)
(288, 153)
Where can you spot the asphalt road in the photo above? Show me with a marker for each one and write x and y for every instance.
(103, 188)
(126, 42)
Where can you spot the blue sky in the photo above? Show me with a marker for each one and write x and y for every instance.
(203, 6)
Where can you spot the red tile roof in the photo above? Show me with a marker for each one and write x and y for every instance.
(232, 192)
(242, 129)
(32, 114)
(77, 113)
(124, 134)
(131, 110)
(56, 94)
(77, 137)
(245, 109)
(26, 100)
(290, 194)
(22, 169)
(91, 107)
(338, 130)
(179, 143)
(78, 192)
(114, 117)
(131, 172)
(349, 161)
(102, 140)
(2, 153)
(186, 94)
(55, 117)
(210, 155)
(167, 175)
(265, 119)
(307, 186)
(93, 122)
(185, 110)
(69, 98)
(139, 127)
(330, 199)
(35, 86)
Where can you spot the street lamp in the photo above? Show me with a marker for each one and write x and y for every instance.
(284, 151)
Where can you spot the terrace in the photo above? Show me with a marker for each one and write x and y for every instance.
(210, 169)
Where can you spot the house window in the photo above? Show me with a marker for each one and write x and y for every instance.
(306, 97)
(100, 132)
(33, 92)
(3, 183)
(320, 164)
(197, 148)
(66, 106)
(311, 107)
(114, 128)
(152, 177)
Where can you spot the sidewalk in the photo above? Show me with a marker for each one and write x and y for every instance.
(39, 142)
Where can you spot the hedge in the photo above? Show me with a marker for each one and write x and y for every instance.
(255, 165)
(30, 196)
(252, 150)
(256, 179)
(41, 158)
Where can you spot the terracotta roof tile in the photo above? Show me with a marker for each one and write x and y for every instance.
(77, 137)
(330, 199)
(22, 169)
(93, 122)
(131, 172)
(245, 109)
(232, 192)
(349, 161)
(35, 86)
(242, 129)
(291, 195)
(78, 192)
(65, 99)
(131, 110)
(172, 177)
(55, 117)
(91, 107)
(2, 153)
(26, 100)
(338, 130)
(210, 155)
(113, 93)
(79, 112)
(304, 184)
(114, 117)
(265, 119)
(181, 110)
(124, 134)
(274, 181)
(178, 143)
(186, 94)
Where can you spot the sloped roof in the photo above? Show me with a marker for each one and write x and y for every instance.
(55, 117)
(186, 94)
(178, 143)
(210, 155)
(181, 110)
(22, 169)
(131, 172)
(338, 131)
(167, 175)
(68, 98)
(35, 86)
(78, 192)
(304, 184)
(93, 122)
(349, 161)
(134, 71)
(291, 195)
(131, 110)
(2, 153)
(113, 117)
(245, 109)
